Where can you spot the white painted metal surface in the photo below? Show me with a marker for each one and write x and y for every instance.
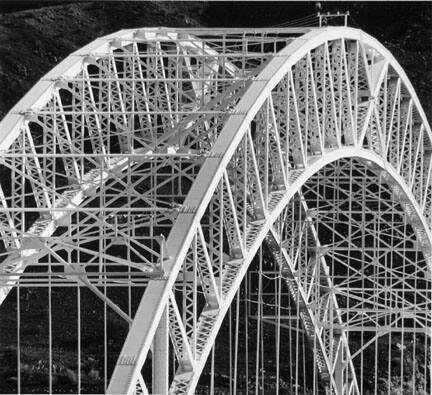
(175, 154)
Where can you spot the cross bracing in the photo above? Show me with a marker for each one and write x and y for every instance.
(153, 167)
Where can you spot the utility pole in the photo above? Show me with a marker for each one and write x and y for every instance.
(325, 17)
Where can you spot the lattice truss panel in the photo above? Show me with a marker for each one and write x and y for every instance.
(354, 267)
(163, 159)
(114, 149)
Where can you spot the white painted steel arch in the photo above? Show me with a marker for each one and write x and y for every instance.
(157, 294)
(26, 110)
(198, 102)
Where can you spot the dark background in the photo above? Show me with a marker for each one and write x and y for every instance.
(36, 35)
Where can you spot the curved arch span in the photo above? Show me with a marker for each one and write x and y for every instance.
(157, 157)
(214, 173)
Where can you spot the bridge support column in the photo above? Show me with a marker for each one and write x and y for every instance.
(339, 367)
(161, 356)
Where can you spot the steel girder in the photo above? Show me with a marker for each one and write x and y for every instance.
(366, 132)
(332, 93)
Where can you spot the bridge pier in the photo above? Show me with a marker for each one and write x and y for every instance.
(160, 356)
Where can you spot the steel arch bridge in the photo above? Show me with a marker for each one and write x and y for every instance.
(177, 174)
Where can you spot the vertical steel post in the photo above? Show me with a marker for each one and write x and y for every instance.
(160, 356)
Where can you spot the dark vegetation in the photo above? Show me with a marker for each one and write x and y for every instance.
(35, 36)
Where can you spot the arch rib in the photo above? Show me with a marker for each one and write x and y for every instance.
(255, 166)
(212, 171)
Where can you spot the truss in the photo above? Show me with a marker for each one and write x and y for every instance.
(160, 161)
